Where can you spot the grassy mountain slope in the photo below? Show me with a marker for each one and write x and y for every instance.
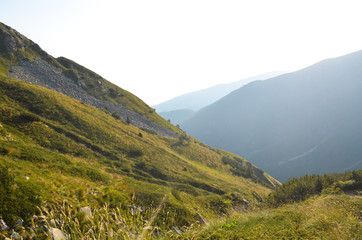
(70, 150)
(58, 152)
(23, 59)
(297, 123)
(309, 207)
(323, 217)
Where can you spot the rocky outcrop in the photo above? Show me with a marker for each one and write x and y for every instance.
(57, 234)
(42, 73)
(11, 40)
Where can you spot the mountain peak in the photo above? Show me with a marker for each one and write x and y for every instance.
(11, 40)
(24, 60)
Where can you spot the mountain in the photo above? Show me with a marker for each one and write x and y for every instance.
(303, 122)
(183, 107)
(73, 146)
(31, 64)
(176, 117)
(196, 100)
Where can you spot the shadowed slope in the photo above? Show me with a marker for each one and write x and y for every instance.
(302, 122)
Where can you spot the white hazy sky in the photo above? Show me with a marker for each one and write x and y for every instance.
(161, 49)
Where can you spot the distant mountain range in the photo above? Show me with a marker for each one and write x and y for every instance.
(304, 122)
(180, 108)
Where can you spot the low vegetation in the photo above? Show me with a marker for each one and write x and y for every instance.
(309, 207)
(54, 149)
(322, 217)
(299, 189)
(330, 214)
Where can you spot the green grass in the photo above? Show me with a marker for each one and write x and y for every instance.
(73, 151)
(320, 217)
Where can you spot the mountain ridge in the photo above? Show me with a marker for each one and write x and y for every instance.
(278, 123)
(28, 62)
(196, 100)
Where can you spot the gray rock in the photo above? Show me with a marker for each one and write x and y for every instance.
(8, 40)
(87, 211)
(3, 225)
(52, 223)
(57, 234)
(15, 236)
(246, 202)
(19, 222)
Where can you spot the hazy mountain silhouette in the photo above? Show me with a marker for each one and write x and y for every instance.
(176, 117)
(196, 100)
(308, 121)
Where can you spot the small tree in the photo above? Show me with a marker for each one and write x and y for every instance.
(128, 121)
(116, 116)
(184, 139)
(318, 186)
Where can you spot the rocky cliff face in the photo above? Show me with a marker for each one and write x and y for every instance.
(43, 70)
(11, 40)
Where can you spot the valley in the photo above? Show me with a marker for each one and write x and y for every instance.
(81, 158)
(303, 122)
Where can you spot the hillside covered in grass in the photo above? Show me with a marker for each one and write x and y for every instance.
(324, 217)
(71, 140)
(309, 207)
(55, 150)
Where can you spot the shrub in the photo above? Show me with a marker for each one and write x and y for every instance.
(128, 121)
(134, 152)
(299, 189)
(17, 199)
(176, 194)
(116, 116)
(112, 197)
(32, 155)
(184, 139)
